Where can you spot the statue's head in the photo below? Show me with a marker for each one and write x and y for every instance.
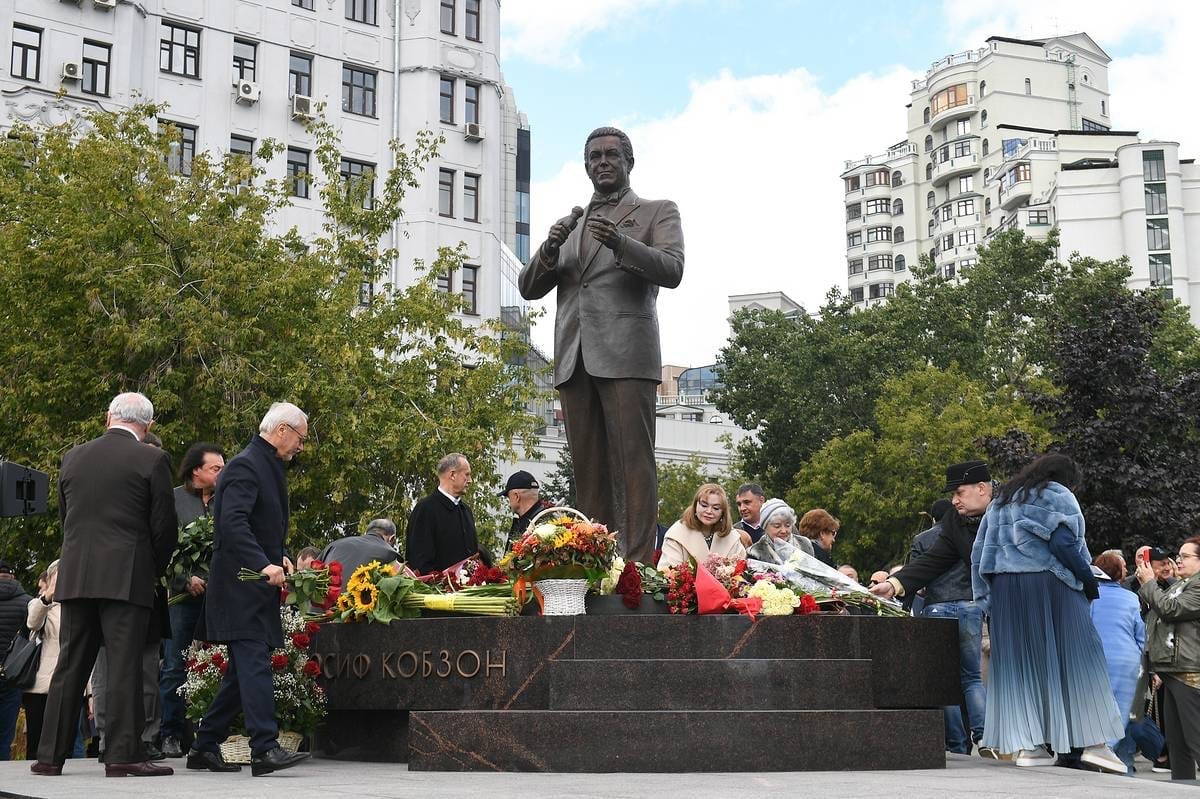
(608, 159)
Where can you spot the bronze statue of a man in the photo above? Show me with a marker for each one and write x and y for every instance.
(607, 355)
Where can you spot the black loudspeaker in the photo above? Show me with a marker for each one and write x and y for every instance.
(23, 491)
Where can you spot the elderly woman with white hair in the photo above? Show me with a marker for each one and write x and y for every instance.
(780, 540)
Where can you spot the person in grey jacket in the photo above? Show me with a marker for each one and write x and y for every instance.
(1173, 646)
(780, 538)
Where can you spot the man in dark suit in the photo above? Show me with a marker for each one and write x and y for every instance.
(607, 355)
(119, 529)
(441, 527)
(250, 512)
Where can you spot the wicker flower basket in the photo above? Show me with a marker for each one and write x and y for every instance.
(236, 748)
(562, 597)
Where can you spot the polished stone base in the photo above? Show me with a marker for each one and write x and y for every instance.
(688, 693)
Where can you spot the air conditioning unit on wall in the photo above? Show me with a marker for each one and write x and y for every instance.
(71, 70)
(473, 131)
(247, 92)
(105, 4)
(302, 107)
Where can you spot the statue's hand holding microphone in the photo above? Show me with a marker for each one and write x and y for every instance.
(602, 229)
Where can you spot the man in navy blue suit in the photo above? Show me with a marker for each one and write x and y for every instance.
(251, 522)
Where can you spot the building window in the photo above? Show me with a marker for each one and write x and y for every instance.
(929, 200)
(897, 179)
(964, 207)
(966, 264)
(929, 171)
(966, 237)
(966, 184)
(470, 197)
(949, 98)
(852, 184)
(1103, 108)
(881, 290)
(1154, 167)
(358, 177)
(987, 205)
(876, 179)
(242, 148)
(1088, 124)
(856, 294)
(244, 54)
(853, 212)
(982, 87)
(361, 11)
(962, 127)
(471, 104)
(472, 31)
(928, 143)
(899, 265)
(1028, 86)
(1158, 235)
(1156, 198)
(446, 100)
(947, 213)
(443, 282)
(925, 116)
(879, 234)
(1160, 269)
(470, 294)
(358, 91)
(932, 224)
(877, 262)
(183, 147)
(448, 17)
(856, 266)
(854, 239)
(366, 293)
(897, 207)
(96, 58)
(983, 118)
(962, 148)
(446, 192)
(300, 75)
(878, 207)
(898, 235)
(305, 4)
(297, 171)
(26, 53)
(1041, 217)
(179, 50)
(947, 242)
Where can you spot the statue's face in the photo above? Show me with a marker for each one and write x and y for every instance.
(606, 164)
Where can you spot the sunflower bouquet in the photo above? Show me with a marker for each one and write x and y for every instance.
(383, 593)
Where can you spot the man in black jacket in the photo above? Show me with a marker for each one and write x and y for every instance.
(119, 529)
(250, 512)
(941, 563)
(441, 527)
(14, 603)
(523, 493)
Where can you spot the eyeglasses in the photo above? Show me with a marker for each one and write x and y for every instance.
(299, 435)
(1183, 555)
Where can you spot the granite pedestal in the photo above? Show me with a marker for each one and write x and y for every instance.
(650, 693)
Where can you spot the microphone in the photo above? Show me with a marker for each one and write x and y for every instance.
(569, 221)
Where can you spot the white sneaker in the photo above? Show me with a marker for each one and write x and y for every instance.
(1038, 756)
(1103, 758)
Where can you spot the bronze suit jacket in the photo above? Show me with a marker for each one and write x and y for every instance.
(607, 302)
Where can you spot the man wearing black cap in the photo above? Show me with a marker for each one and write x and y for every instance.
(942, 557)
(523, 493)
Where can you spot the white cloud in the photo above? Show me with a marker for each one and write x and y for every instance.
(753, 164)
(550, 31)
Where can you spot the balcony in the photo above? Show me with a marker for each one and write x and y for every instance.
(877, 247)
(962, 165)
(953, 113)
(893, 153)
(1031, 146)
(1015, 192)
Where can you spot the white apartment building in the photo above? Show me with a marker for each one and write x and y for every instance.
(1017, 134)
(235, 72)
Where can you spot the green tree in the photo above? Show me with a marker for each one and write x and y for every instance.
(559, 485)
(120, 274)
(880, 484)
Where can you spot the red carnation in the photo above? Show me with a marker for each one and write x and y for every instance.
(218, 659)
(312, 628)
(312, 668)
(223, 667)
(808, 605)
(335, 567)
(279, 662)
(739, 568)
(301, 640)
(316, 565)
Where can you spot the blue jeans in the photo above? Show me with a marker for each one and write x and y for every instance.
(184, 617)
(970, 653)
(10, 706)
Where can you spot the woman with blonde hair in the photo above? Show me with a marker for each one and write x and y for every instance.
(706, 528)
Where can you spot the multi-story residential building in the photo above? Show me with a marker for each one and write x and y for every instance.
(1017, 133)
(236, 72)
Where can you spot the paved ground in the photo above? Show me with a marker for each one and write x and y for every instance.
(963, 777)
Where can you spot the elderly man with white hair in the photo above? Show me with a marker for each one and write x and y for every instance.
(251, 523)
(119, 529)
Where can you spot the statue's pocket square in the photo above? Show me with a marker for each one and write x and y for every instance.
(629, 223)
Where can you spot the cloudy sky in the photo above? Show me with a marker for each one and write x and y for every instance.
(744, 111)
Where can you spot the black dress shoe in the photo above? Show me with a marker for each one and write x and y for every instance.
(143, 769)
(153, 752)
(46, 769)
(276, 759)
(171, 747)
(210, 761)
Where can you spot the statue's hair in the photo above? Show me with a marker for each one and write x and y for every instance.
(626, 144)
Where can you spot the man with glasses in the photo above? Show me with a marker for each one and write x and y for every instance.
(250, 509)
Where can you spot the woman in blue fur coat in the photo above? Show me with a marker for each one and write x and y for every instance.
(1031, 571)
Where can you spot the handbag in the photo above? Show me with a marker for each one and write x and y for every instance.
(21, 662)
